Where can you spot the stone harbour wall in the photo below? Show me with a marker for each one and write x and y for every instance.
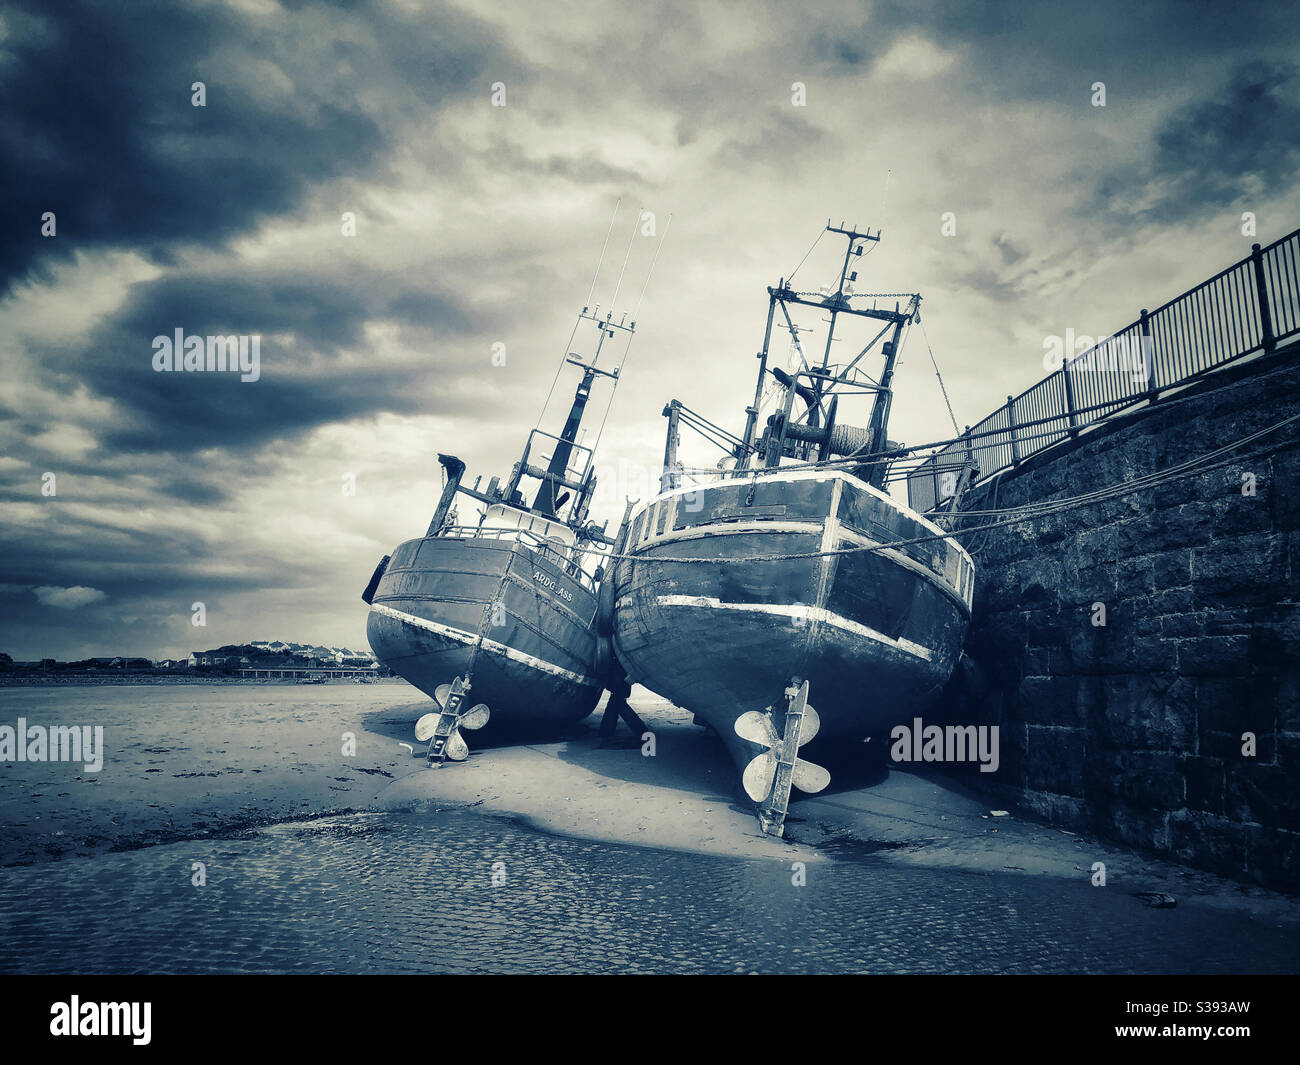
(1126, 648)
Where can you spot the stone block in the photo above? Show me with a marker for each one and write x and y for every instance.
(1049, 701)
(1173, 626)
(1211, 842)
(1275, 631)
(1228, 746)
(1147, 712)
(1205, 784)
(1150, 779)
(1054, 761)
(1284, 489)
(1233, 704)
(1147, 829)
(1172, 569)
(1214, 656)
(1264, 794)
(1274, 857)
(1237, 571)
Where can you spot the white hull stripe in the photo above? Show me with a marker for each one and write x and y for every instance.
(468, 638)
(808, 613)
(845, 535)
(768, 476)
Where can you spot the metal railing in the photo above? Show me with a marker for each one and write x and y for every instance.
(559, 555)
(1249, 307)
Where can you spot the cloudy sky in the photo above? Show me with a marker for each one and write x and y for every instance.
(478, 224)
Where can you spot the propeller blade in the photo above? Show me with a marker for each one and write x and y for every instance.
(811, 724)
(755, 726)
(758, 776)
(441, 693)
(458, 749)
(475, 717)
(808, 777)
(425, 727)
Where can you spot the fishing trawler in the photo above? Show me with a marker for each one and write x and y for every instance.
(503, 604)
(788, 576)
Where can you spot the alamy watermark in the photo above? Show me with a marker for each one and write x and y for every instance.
(1126, 353)
(193, 354)
(102, 1018)
(919, 742)
(58, 743)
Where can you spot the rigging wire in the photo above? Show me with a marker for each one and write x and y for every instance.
(627, 255)
(574, 332)
(933, 362)
(599, 262)
(814, 244)
(623, 362)
(1011, 515)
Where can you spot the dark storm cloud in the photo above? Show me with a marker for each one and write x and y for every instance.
(1243, 140)
(304, 323)
(176, 488)
(1055, 51)
(1214, 153)
(98, 126)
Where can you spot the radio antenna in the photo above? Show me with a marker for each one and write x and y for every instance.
(632, 327)
(631, 240)
(600, 262)
(650, 273)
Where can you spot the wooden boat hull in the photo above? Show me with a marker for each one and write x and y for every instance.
(876, 634)
(533, 664)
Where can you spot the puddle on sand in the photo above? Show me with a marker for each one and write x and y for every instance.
(847, 848)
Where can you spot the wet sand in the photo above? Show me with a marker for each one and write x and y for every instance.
(213, 762)
(187, 762)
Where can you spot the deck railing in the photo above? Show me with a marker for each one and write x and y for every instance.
(559, 555)
(1247, 308)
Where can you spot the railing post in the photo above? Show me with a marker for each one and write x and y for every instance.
(1148, 353)
(1011, 425)
(1261, 293)
(1069, 399)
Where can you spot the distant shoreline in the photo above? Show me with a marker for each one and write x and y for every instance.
(11, 680)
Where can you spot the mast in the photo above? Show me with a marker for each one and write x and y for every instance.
(751, 412)
(545, 502)
(549, 498)
(790, 435)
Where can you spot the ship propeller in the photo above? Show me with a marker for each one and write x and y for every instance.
(448, 721)
(757, 727)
